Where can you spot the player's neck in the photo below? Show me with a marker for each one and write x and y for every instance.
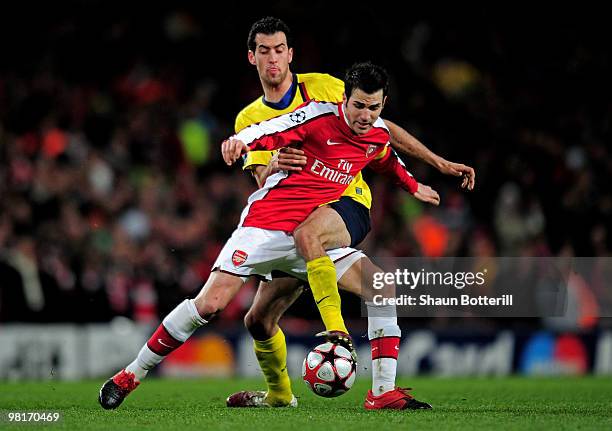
(274, 93)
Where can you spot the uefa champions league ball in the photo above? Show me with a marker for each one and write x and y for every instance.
(329, 370)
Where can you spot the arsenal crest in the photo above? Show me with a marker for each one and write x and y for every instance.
(239, 257)
(371, 149)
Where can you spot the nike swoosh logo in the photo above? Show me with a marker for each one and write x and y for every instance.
(329, 142)
(374, 348)
(159, 340)
(370, 402)
(319, 301)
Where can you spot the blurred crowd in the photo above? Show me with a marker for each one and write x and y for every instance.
(114, 201)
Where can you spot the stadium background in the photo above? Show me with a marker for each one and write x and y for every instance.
(114, 201)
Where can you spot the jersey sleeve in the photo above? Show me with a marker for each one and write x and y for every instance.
(272, 134)
(242, 121)
(391, 165)
(277, 140)
(257, 158)
(286, 129)
(238, 124)
(252, 158)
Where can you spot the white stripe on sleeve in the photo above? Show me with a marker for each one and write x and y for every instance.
(287, 121)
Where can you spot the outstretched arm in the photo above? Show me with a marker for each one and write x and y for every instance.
(391, 165)
(268, 135)
(408, 144)
(282, 131)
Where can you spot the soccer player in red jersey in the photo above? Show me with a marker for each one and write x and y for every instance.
(338, 140)
(340, 223)
(261, 244)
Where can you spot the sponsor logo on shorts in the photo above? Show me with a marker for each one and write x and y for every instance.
(239, 257)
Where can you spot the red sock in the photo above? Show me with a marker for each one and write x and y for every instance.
(384, 363)
(385, 347)
(162, 343)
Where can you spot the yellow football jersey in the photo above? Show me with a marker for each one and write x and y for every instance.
(306, 86)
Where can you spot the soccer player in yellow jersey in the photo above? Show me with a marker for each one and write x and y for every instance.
(337, 224)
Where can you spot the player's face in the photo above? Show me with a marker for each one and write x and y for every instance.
(272, 57)
(363, 109)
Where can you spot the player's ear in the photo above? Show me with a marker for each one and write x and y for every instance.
(251, 56)
(290, 55)
(344, 99)
(384, 101)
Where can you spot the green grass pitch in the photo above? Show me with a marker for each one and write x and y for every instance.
(466, 403)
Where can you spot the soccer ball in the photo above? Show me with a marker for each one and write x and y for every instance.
(329, 370)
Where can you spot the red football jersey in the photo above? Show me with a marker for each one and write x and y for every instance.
(335, 154)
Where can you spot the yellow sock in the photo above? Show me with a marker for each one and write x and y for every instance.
(272, 357)
(322, 279)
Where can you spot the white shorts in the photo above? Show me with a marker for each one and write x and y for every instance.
(255, 251)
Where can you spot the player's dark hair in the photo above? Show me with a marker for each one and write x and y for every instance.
(368, 77)
(268, 25)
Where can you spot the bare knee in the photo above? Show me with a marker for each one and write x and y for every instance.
(299, 235)
(219, 290)
(261, 326)
(307, 242)
(208, 309)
